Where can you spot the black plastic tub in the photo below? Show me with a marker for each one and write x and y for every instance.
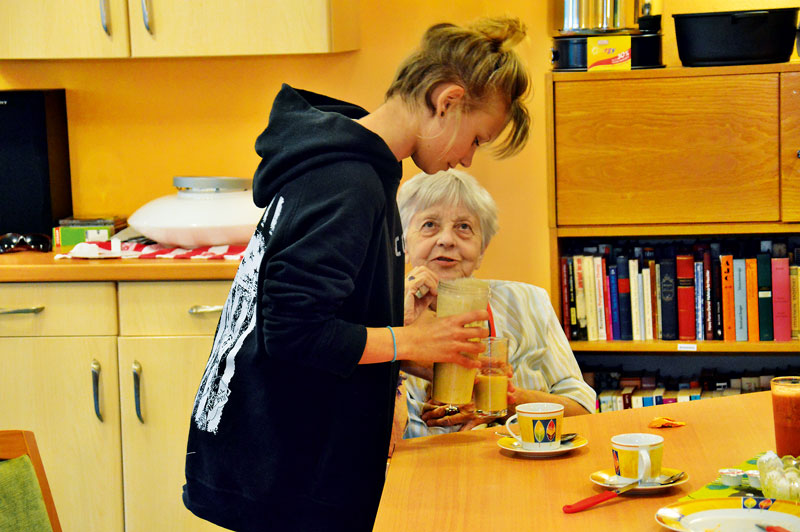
(736, 37)
(569, 53)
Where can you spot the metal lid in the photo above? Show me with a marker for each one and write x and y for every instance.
(211, 183)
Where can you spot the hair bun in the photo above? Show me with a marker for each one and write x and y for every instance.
(506, 32)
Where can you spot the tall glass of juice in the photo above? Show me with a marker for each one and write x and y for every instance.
(786, 414)
(452, 383)
(491, 385)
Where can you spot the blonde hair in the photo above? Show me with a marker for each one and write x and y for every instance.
(452, 187)
(478, 58)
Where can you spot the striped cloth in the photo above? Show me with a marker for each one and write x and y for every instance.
(538, 350)
(131, 250)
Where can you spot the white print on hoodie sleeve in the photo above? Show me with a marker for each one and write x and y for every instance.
(236, 322)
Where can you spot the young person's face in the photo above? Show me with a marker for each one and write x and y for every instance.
(449, 140)
(445, 238)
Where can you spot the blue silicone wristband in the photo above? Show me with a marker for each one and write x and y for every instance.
(394, 342)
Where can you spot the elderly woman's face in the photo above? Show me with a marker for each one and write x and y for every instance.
(446, 239)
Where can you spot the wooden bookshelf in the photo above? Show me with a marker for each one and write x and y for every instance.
(677, 153)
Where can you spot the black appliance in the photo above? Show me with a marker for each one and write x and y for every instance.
(35, 188)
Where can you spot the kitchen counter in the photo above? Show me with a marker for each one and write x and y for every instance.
(31, 266)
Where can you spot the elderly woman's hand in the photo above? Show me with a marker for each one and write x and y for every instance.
(435, 414)
(420, 291)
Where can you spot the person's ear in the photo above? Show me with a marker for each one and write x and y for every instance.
(447, 97)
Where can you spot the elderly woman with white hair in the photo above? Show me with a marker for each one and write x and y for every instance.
(448, 221)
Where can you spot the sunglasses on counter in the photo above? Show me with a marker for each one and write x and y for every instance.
(12, 242)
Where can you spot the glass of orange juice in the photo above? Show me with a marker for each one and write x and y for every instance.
(491, 384)
(786, 414)
(452, 383)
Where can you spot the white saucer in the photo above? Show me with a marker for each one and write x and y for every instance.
(607, 478)
(508, 443)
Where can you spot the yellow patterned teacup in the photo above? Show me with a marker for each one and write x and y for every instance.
(637, 456)
(539, 425)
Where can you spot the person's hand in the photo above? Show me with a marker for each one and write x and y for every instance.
(420, 292)
(435, 414)
(434, 339)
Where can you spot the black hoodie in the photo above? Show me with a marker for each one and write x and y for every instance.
(288, 431)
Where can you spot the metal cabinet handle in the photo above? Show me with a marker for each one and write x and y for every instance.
(146, 16)
(24, 310)
(205, 309)
(137, 375)
(104, 16)
(95, 388)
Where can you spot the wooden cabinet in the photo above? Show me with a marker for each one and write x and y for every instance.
(57, 337)
(53, 29)
(166, 333)
(677, 153)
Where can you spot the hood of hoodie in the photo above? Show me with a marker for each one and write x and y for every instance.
(308, 130)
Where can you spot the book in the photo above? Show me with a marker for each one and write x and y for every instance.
(647, 304)
(589, 291)
(740, 300)
(684, 268)
(580, 297)
(669, 300)
(764, 267)
(607, 303)
(716, 298)
(613, 294)
(626, 397)
(670, 396)
(573, 314)
(658, 396)
(794, 296)
(658, 332)
(684, 395)
(651, 265)
(624, 296)
(751, 280)
(699, 301)
(565, 323)
(708, 320)
(633, 271)
(599, 287)
(637, 398)
(781, 300)
(728, 303)
(642, 317)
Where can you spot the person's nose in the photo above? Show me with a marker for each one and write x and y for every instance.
(445, 238)
(466, 160)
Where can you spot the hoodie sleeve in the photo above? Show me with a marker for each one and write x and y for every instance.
(329, 220)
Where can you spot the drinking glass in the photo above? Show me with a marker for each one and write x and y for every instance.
(786, 414)
(491, 385)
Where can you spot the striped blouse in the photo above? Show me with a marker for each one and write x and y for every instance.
(538, 351)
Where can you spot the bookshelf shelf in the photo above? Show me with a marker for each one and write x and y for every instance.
(677, 230)
(685, 348)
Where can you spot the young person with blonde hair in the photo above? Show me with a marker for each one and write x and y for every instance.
(292, 419)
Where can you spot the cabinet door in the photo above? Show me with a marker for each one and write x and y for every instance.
(667, 150)
(42, 29)
(46, 386)
(154, 449)
(790, 147)
(246, 27)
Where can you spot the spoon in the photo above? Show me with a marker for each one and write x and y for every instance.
(568, 437)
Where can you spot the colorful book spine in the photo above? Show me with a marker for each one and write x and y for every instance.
(708, 320)
(624, 295)
(684, 268)
(613, 294)
(607, 303)
(642, 316)
(716, 298)
(765, 329)
(699, 301)
(751, 280)
(728, 303)
(633, 271)
(651, 264)
(599, 288)
(658, 333)
(591, 301)
(669, 300)
(580, 297)
(794, 287)
(781, 300)
(740, 299)
(573, 315)
(647, 304)
(565, 297)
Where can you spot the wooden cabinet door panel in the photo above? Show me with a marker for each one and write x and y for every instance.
(667, 150)
(154, 451)
(55, 29)
(46, 387)
(245, 27)
(790, 147)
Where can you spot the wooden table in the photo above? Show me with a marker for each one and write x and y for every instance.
(465, 482)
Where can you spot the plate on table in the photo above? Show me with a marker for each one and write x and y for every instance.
(608, 478)
(731, 514)
(511, 444)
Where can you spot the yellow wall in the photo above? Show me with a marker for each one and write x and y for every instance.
(136, 123)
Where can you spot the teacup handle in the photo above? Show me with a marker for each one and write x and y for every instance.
(508, 428)
(644, 464)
